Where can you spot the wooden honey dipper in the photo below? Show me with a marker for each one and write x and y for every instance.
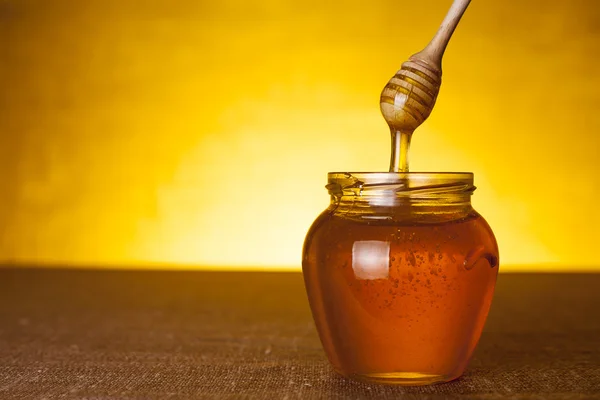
(408, 98)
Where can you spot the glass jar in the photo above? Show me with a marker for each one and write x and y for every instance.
(400, 272)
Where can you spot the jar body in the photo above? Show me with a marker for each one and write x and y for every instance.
(400, 296)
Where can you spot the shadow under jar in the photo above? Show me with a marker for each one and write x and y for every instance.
(400, 272)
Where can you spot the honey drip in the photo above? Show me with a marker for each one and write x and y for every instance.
(400, 147)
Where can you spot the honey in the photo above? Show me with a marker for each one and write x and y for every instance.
(400, 273)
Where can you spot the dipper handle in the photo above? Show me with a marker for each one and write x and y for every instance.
(432, 54)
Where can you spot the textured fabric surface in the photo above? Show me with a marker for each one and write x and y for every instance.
(173, 335)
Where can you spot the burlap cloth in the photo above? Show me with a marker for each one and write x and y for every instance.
(72, 334)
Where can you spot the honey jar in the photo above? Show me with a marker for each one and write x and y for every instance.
(400, 272)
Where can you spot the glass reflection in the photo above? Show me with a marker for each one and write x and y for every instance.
(371, 259)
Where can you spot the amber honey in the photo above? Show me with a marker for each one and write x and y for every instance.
(400, 292)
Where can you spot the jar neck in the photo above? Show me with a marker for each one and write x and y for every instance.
(386, 202)
(406, 194)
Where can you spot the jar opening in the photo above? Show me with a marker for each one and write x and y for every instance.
(401, 184)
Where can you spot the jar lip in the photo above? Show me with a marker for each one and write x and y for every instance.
(401, 183)
(419, 178)
(402, 175)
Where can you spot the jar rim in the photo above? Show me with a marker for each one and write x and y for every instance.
(401, 183)
(389, 176)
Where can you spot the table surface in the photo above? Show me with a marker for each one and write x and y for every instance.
(167, 334)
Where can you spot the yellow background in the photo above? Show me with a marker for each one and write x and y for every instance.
(198, 133)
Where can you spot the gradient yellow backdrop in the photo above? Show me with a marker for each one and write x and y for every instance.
(200, 133)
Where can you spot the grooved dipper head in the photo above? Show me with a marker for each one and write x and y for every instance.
(408, 98)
